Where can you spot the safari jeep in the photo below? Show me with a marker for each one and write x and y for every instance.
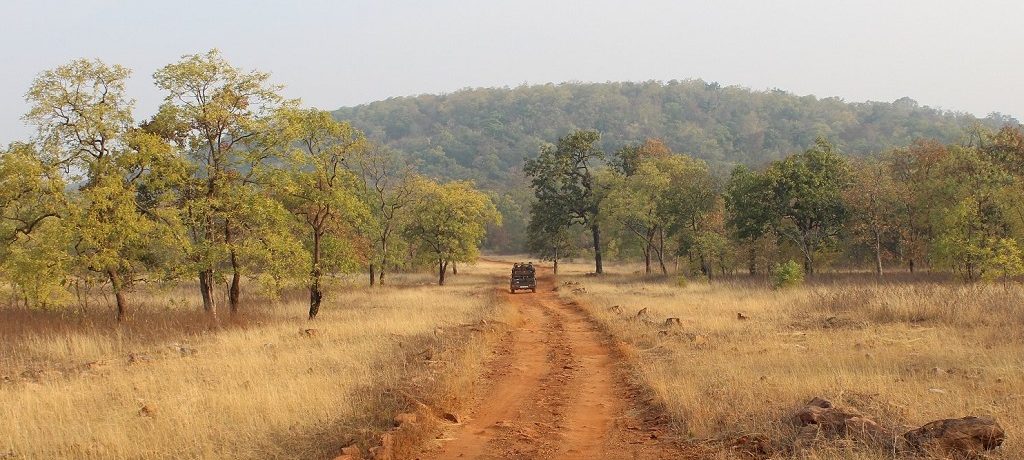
(524, 276)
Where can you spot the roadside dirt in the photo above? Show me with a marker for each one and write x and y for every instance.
(554, 390)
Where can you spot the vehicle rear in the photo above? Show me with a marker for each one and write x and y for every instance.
(523, 277)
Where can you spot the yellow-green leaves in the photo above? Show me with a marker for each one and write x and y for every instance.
(81, 110)
(449, 220)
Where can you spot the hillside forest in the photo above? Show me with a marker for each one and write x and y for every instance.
(484, 134)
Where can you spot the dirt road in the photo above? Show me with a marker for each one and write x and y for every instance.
(554, 390)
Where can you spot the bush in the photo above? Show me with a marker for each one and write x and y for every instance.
(787, 275)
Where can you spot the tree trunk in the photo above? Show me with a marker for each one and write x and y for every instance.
(236, 285)
(373, 275)
(878, 254)
(206, 289)
(660, 251)
(315, 292)
(808, 263)
(122, 304)
(752, 261)
(442, 268)
(455, 268)
(911, 265)
(595, 230)
(556, 261)
(383, 257)
(235, 291)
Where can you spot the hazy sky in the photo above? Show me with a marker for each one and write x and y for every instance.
(956, 55)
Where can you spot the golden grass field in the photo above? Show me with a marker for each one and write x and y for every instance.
(904, 353)
(170, 385)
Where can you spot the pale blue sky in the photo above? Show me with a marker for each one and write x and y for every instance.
(956, 55)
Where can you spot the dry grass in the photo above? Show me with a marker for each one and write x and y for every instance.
(170, 385)
(905, 353)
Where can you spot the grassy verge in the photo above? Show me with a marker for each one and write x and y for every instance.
(170, 386)
(903, 353)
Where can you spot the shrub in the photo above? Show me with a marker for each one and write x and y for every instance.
(787, 274)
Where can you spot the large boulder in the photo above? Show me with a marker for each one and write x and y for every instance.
(829, 420)
(964, 438)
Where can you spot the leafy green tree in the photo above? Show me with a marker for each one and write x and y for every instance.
(563, 178)
(976, 211)
(320, 191)
(214, 112)
(449, 221)
(806, 193)
(31, 191)
(550, 236)
(386, 184)
(689, 200)
(83, 116)
(1004, 260)
(665, 195)
(918, 174)
(748, 205)
(874, 200)
(34, 241)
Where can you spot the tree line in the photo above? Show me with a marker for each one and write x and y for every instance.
(483, 133)
(227, 183)
(951, 207)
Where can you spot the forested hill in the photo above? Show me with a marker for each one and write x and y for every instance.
(484, 134)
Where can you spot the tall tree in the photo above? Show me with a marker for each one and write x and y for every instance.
(749, 211)
(564, 181)
(84, 122)
(549, 236)
(874, 200)
(689, 200)
(212, 110)
(319, 189)
(387, 185)
(975, 215)
(799, 199)
(449, 221)
(807, 198)
(917, 171)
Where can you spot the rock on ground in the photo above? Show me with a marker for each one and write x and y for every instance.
(960, 437)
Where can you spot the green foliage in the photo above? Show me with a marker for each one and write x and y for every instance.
(448, 221)
(564, 178)
(799, 199)
(787, 274)
(219, 116)
(665, 198)
(1003, 260)
(482, 133)
(38, 265)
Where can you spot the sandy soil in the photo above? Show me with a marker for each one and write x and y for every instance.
(555, 389)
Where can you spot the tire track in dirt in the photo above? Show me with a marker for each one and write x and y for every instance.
(554, 390)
